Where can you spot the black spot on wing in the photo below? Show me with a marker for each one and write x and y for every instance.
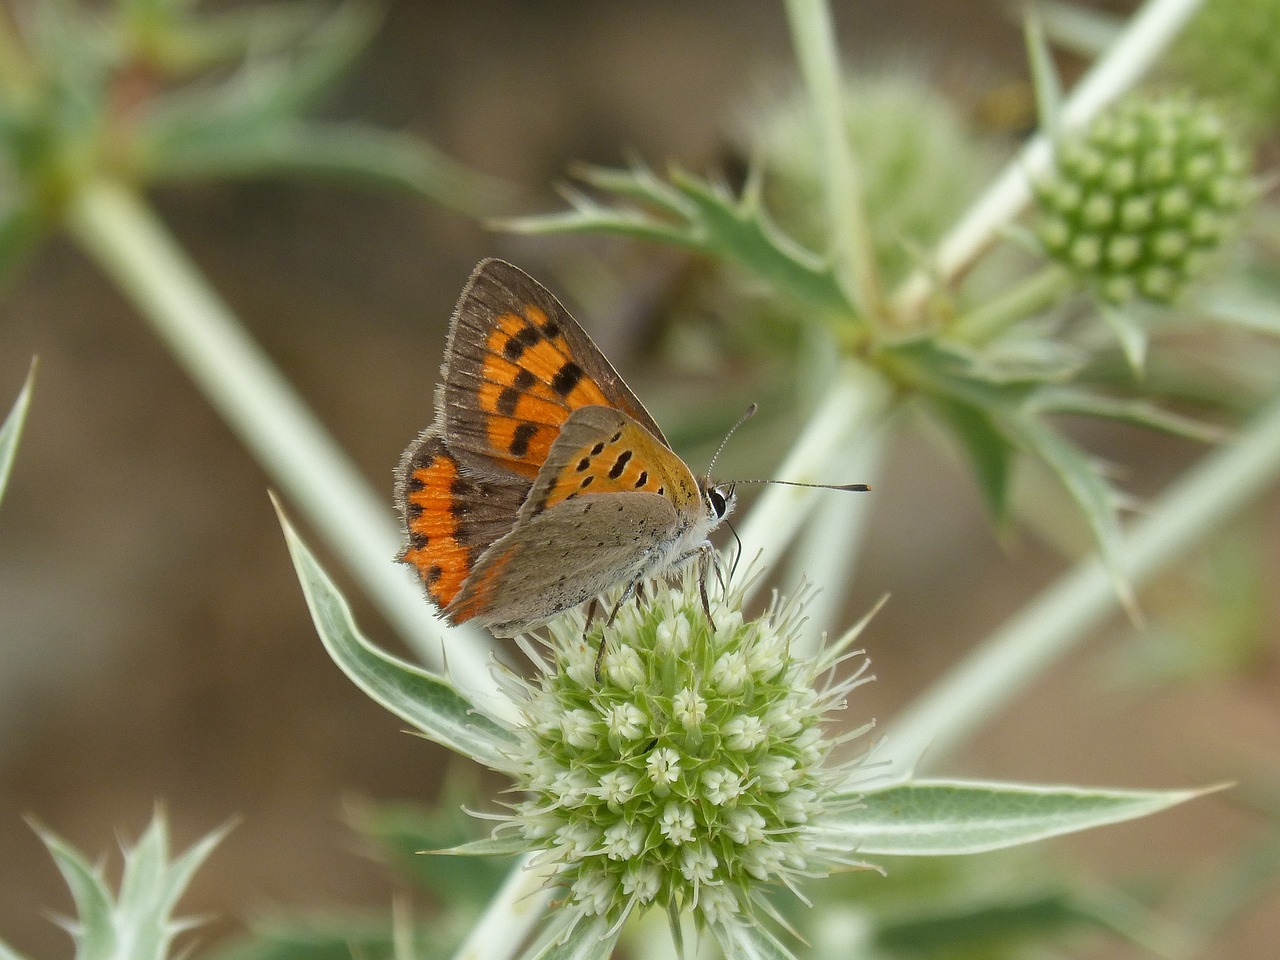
(519, 445)
(507, 400)
(515, 347)
(619, 465)
(566, 378)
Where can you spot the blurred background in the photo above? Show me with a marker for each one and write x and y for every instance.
(156, 649)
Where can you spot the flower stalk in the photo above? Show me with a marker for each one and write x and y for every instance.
(120, 233)
(997, 671)
(1146, 36)
(853, 253)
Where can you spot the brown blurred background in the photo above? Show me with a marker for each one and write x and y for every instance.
(155, 646)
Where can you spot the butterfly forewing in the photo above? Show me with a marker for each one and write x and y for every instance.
(517, 365)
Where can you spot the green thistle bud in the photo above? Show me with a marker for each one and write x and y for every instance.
(1138, 200)
(1231, 50)
(688, 774)
(917, 158)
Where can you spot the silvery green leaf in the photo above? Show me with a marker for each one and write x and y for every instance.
(140, 921)
(590, 940)
(639, 184)
(743, 232)
(1086, 484)
(947, 817)
(8, 953)
(11, 429)
(1129, 331)
(749, 941)
(990, 452)
(430, 703)
(1138, 412)
(700, 215)
(262, 92)
(94, 925)
(345, 152)
(1244, 304)
(505, 846)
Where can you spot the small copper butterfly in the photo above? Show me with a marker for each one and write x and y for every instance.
(543, 481)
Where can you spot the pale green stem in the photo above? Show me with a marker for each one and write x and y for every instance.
(1024, 299)
(828, 547)
(513, 912)
(999, 669)
(813, 37)
(123, 236)
(1144, 38)
(850, 411)
(11, 429)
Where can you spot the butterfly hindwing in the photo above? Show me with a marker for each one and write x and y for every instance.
(562, 557)
(601, 450)
(517, 365)
(608, 502)
(450, 518)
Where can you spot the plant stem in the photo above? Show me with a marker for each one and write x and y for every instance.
(828, 546)
(813, 37)
(850, 411)
(127, 241)
(11, 428)
(1026, 298)
(513, 912)
(1145, 37)
(1002, 666)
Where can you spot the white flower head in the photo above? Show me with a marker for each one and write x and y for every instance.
(688, 772)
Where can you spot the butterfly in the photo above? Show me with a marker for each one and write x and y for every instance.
(543, 482)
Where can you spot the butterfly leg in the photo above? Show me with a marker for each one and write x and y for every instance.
(705, 562)
(634, 589)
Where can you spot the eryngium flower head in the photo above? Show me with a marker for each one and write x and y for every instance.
(685, 775)
(1139, 199)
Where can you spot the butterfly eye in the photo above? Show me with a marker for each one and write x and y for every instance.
(719, 506)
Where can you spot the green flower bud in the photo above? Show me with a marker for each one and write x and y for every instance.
(1139, 198)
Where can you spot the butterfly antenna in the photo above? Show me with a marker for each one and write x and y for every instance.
(855, 487)
(747, 415)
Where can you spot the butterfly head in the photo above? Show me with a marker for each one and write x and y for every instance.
(718, 498)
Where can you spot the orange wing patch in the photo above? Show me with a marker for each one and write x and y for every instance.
(434, 550)
(481, 596)
(629, 460)
(530, 385)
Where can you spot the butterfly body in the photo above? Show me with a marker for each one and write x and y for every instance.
(543, 481)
